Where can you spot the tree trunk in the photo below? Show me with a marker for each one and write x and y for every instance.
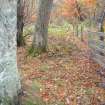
(100, 23)
(9, 77)
(82, 32)
(76, 29)
(20, 23)
(41, 27)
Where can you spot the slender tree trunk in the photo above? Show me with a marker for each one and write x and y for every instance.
(20, 23)
(76, 30)
(101, 28)
(101, 22)
(41, 27)
(82, 27)
(9, 77)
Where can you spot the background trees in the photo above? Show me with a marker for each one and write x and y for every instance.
(25, 15)
(80, 14)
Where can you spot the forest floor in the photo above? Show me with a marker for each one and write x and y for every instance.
(65, 75)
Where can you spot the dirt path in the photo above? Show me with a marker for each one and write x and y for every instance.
(63, 76)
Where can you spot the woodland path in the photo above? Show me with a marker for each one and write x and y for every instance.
(63, 76)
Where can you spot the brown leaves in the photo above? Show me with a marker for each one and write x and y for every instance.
(68, 78)
(45, 96)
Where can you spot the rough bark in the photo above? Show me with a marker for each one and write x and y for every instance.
(41, 27)
(20, 23)
(9, 77)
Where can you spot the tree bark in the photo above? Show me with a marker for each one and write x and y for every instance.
(9, 77)
(101, 22)
(41, 27)
(20, 23)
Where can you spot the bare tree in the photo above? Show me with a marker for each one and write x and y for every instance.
(100, 16)
(25, 15)
(29, 11)
(41, 27)
(20, 23)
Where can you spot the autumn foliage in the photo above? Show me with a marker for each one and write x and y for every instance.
(91, 3)
(75, 8)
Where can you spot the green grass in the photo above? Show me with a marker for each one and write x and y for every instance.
(28, 30)
(52, 30)
(58, 31)
(36, 101)
(44, 67)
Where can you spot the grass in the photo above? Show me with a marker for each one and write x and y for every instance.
(56, 30)
(28, 30)
(44, 67)
(53, 30)
(36, 101)
(59, 30)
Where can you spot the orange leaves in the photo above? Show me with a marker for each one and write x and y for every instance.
(88, 84)
(61, 93)
(45, 96)
(90, 3)
(71, 79)
(75, 8)
(71, 8)
(33, 18)
(70, 2)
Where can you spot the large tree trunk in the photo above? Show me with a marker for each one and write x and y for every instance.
(41, 27)
(9, 77)
(20, 23)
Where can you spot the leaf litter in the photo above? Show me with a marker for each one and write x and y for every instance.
(65, 75)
